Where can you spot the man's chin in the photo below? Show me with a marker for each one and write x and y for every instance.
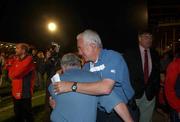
(86, 60)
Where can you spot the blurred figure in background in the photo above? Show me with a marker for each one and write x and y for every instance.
(144, 67)
(51, 66)
(165, 60)
(172, 87)
(40, 81)
(162, 105)
(2, 62)
(22, 75)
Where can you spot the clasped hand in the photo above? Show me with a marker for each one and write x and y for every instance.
(62, 87)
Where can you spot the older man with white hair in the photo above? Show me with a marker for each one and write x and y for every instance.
(112, 69)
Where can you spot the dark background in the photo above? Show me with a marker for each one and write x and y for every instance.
(117, 22)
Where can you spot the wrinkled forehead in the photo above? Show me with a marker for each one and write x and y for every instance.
(146, 35)
(82, 42)
(18, 45)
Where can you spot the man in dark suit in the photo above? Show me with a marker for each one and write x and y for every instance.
(144, 68)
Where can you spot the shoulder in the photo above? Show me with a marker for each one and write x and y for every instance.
(80, 75)
(113, 59)
(172, 66)
(89, 75)
(111, 54)
(29, 57)
(175, 63)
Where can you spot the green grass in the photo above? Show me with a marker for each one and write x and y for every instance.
(37, 103)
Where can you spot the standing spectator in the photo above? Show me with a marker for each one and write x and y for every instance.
(173, 76)
(112, 69)
(52, 64)
(21, 73)
(34, 53)
(144, 68)
(161, 98)
(165, 60)
(9, 61)
(2, 62)
(40, 82)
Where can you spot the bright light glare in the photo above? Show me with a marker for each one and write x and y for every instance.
(52, 26)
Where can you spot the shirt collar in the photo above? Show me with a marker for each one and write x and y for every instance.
(100, 56)
(142, 49)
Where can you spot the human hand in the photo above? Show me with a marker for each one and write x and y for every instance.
(52, 102)
(62, 87)
(59, 71)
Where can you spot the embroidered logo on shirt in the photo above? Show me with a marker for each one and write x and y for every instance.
(97, 68)
(113, 71)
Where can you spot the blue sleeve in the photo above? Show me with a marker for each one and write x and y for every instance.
(51, 91)
(117, 70)
(112, 65)
(108, 102)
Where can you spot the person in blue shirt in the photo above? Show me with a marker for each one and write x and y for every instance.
(112, 69)
(72, 106)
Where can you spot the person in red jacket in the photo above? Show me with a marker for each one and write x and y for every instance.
(173, 71)
(22, 75)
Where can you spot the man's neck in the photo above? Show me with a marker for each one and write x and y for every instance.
(145, 48)
(96, 56)
(22, 56)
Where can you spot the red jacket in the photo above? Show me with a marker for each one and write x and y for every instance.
(22, 75)
(172, 72)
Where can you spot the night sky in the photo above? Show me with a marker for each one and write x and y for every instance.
(117, 23)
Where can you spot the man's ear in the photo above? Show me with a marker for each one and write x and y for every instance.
(139, 38)
(23, 50)
(93, 45)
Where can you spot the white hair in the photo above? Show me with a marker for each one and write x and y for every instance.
(90, 36)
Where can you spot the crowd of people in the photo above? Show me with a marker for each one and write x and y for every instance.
(97, 84)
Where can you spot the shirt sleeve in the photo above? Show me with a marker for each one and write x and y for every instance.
(108, 102)
(117, 70)
(51, 91)
(112, 66)
(22, 68)
(171, 75)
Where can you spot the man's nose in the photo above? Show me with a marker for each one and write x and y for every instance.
(79, 52)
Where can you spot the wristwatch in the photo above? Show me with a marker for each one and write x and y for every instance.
(74, 87)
